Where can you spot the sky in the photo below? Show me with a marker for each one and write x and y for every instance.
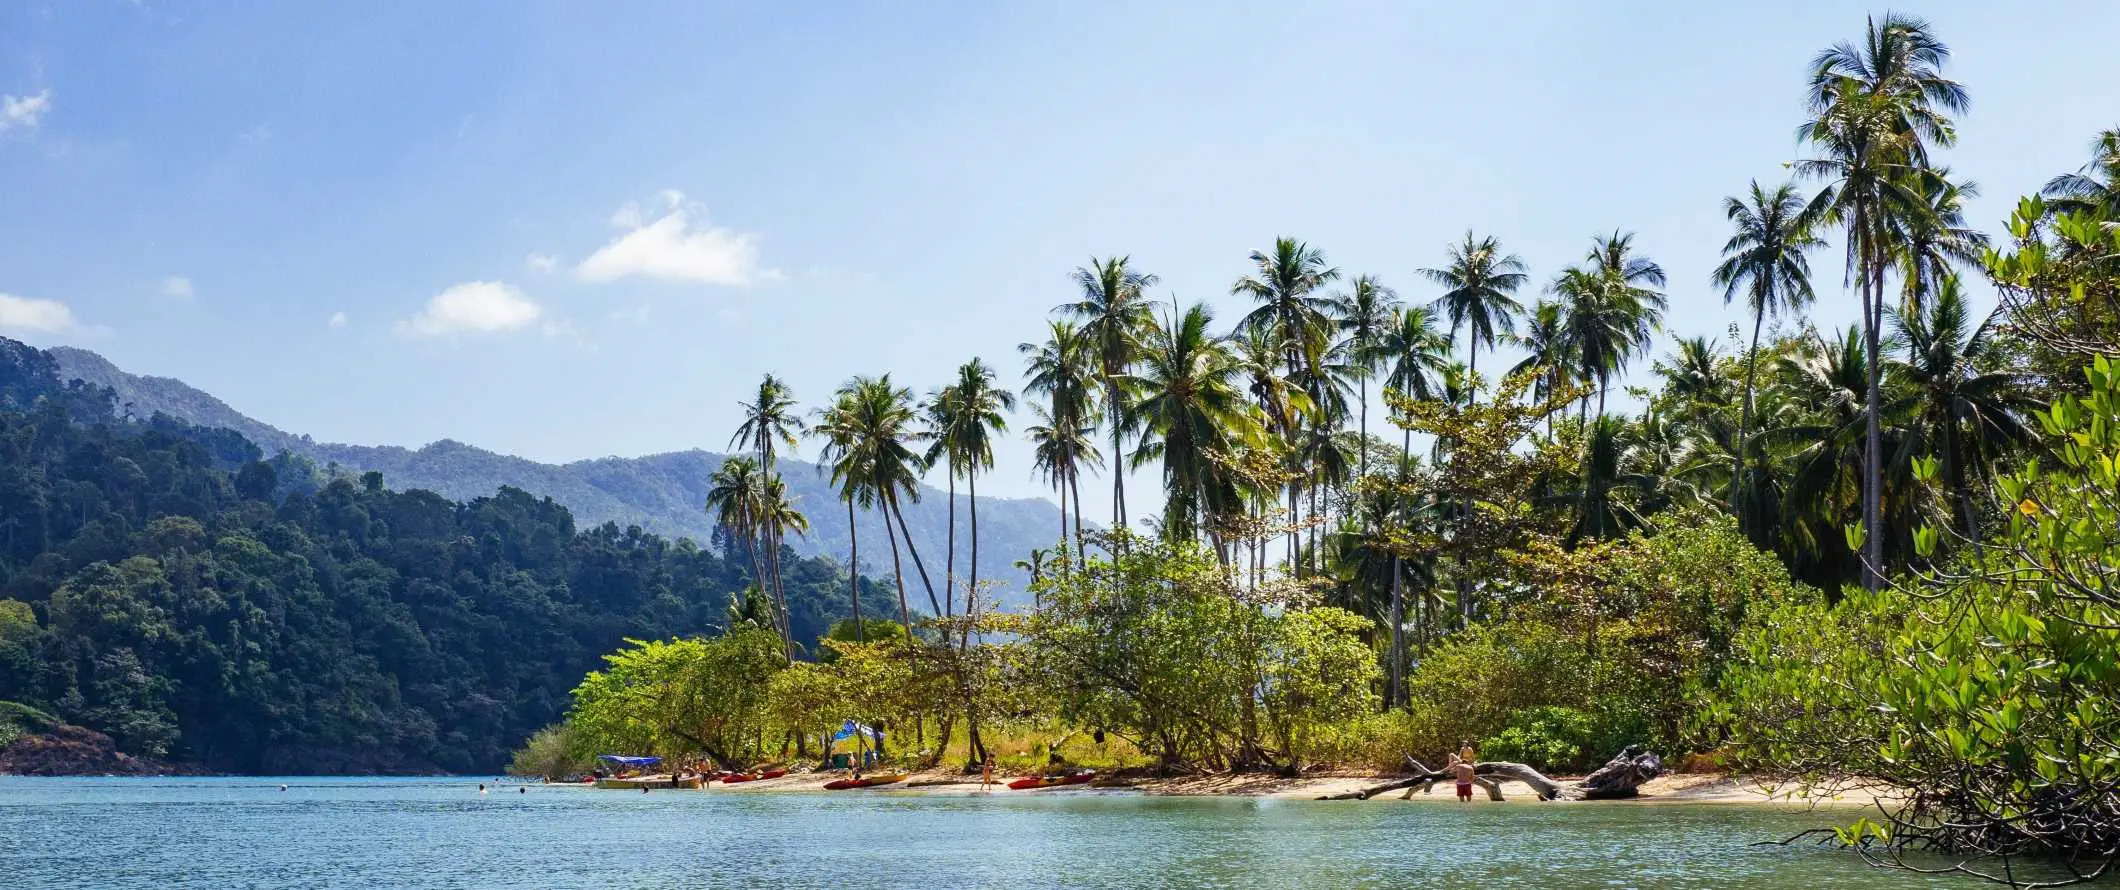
(570, 230)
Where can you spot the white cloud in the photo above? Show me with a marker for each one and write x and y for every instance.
(43, 316)
(338, 319)
(24, 111)
(679, 245)
(474, 307)
(177, 287)
(541, 262)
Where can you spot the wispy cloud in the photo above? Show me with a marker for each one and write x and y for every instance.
(678, 245)
(338, 320)
(177, 287)
(24, 112)
(541, 262)
(40, 316)
(473, 307)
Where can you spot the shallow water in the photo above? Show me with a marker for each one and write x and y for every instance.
(429, 833)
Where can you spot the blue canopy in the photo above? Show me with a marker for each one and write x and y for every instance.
(848, 729)
(629, 761)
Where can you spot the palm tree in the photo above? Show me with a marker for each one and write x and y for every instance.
(1612, 308)
(1365, 313)
(1060, 450)
(1934, 240)
(1193, 408)
(1598, 513)
(939, 415)
(2094, 189)
(737, 498)
(776, 517)
(1479, 284)
(1764, 259)
(1414, 354)
(1967, 409)
(974, 417)
(1288, 284)
(1064, 369)
(837, 424)
(1549, 351)
(1875, 109)
(770, 418)
(877, 466)
(1114, 311)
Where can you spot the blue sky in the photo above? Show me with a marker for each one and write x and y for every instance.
(576, 230)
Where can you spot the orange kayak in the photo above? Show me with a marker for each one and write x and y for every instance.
(869, 782)
(1034, 782)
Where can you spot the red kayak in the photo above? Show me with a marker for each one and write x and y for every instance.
(1034, 782)
(733, 778)
(870, 782)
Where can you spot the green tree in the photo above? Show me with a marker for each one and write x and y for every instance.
(1192, 408)
(1367, 314)
(1479, 284)
(1764, 259)
(1113, 307)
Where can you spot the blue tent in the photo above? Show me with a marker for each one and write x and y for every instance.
(624, 760)
(848, 729)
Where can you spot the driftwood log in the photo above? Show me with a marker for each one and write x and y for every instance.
(1620, 777)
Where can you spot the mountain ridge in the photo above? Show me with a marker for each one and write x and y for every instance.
(663, 493)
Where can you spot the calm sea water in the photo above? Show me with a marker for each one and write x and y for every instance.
(397, 833)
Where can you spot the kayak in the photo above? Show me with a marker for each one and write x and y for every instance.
(733, 778)
(1034, 782)
(869, 782)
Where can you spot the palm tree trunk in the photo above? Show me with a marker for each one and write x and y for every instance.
(907, 533)
(1398, 633)
(1363, 454)
(971, 588)
(1074, 485)
(905, 612)
(1111, 405)
(949, 558)
(1873, 439)
(1472, 370)
(1060, 487)
(854, 572)
(1744, 423)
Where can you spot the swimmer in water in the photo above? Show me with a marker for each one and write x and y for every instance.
(283, 787)
(481, 787)
(522, 791)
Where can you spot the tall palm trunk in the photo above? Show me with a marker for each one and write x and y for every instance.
(905, 612)
(1744, 423)
(1060, 486)
(1111, 401)
(1074, 485)
(914, 551)
(854, 572)
(1398, 633)
(1363, 454)
(971, 587)
(949, 559)
(1873, 439)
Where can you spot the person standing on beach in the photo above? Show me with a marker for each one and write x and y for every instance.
(1463, 769)
(1465, 751)
(986, 772)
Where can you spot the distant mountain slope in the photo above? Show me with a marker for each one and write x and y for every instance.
(663, 493)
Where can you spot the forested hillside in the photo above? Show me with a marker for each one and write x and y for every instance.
(161, 583)
(662, 493)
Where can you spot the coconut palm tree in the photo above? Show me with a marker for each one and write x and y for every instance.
(776, 517)
(1059, 451)
(769, 418)
(1764, 259)
(974, 417)
(1934, 241)
(1548, 351)
(876, 464)
(1414, 354)
(1288, 284)
(838, 426)
(1876, 107)
(1193, 408)
(1364, 314)
(2094, 189)
(1613, 306)
(1480, 283)
(737, 498)
(1064, 370)
(1967, 408)
(1114, 310)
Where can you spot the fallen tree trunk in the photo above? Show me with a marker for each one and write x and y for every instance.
(1620, 777)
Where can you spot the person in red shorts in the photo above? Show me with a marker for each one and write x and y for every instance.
(1463, 769)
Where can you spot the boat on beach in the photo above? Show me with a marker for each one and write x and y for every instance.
(734, 778)
(1032, 783)
(864, 782)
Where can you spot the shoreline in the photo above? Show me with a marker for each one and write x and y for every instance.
(1695, 788)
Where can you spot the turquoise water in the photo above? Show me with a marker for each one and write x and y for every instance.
(429, 833)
